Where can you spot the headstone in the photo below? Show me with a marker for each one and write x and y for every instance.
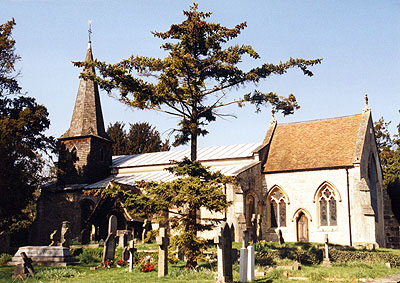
(85, 236)
(24, 270)
(65, 239)
(259, 228)
(243, 265)
(245, 239)
(296, 266)
(146, 228)
(162, 242)
(124, 236)
(54, 238)
(253, 231)
(131, 251)
(326, 261)
(224, 253)
(125, 254)
(250, 263)
(280, 236)
(93, 234)
(110, 243)
(4, 242)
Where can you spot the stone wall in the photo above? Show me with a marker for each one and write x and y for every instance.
(392, 233)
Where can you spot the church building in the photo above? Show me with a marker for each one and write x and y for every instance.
(304, 180)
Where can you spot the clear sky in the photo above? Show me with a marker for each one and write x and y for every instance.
(358, 40)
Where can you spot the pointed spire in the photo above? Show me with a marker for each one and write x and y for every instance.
(87, 118)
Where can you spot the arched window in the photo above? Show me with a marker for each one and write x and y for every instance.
(327, 206)
(276, 208)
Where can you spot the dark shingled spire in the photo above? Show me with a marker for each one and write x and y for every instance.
(87, 119)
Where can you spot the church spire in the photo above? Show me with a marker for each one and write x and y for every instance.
(87, 118)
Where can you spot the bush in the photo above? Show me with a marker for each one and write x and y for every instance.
(341, 256)
(90, 255)
(4, 258)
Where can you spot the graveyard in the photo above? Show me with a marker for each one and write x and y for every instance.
(119, 259)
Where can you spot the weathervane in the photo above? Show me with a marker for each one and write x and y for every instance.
(366, 108)
(90, 30)
(273, 113)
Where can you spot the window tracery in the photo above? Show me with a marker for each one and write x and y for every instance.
(277, 208)
(327, 207)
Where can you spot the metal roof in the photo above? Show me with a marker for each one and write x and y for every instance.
(166, 176)
(203, 154)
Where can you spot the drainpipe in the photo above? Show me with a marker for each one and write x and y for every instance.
(348, 205)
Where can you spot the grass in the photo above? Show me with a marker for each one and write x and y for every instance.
(343, 272)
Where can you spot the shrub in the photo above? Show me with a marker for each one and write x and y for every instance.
(4, 258)
(90, 255)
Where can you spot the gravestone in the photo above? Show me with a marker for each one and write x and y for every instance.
(131, 251)
(243, 265)
(224, 253)
(54, 238)
(280, 236)
(326, 261)
(110, 242)
(125, 254)
(259, 228)
(4, 242)
(245, 239)
(93, 233)
(162, 242)
(65, 239)
(85, 236)
(253, 231)
(24, 270)
(250, 263)
(124, 236)
(146, 228)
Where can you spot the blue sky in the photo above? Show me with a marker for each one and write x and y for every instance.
(358, 40)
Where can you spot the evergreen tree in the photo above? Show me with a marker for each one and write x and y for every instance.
(22, 138)
(192, 83)
(141, 138)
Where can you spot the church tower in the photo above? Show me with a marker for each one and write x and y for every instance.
(86, 150)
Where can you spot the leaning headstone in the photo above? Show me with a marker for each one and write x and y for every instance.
(4, 242)
(224, 253)
(162, 242)
(85, 236)
(54, 238)
(24, 270)
(110, 243)
(250, 263)
(131, 251)
(65, 238)
(326, 261)
(243, 265)
(280, 236)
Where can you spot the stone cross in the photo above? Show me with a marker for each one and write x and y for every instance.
(25, 270)
(326, 261)
(65, 238)
(162, 242)
(53, 238)
(110, 243)
(224, 253)
(131, 251)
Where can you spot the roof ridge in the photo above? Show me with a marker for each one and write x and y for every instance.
(318, 120)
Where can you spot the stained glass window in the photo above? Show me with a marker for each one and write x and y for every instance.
(274, 222)
(327, 208)
(282, 213)
(277, 206)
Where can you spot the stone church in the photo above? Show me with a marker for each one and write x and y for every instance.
(305, 179)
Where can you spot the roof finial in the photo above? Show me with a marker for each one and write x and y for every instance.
(366, 108)
(90, 31)
(273, 114)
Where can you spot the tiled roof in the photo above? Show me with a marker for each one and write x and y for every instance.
(313, 144)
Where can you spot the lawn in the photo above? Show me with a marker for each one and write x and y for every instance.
(351, 271)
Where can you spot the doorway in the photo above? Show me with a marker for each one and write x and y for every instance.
(302, 228)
